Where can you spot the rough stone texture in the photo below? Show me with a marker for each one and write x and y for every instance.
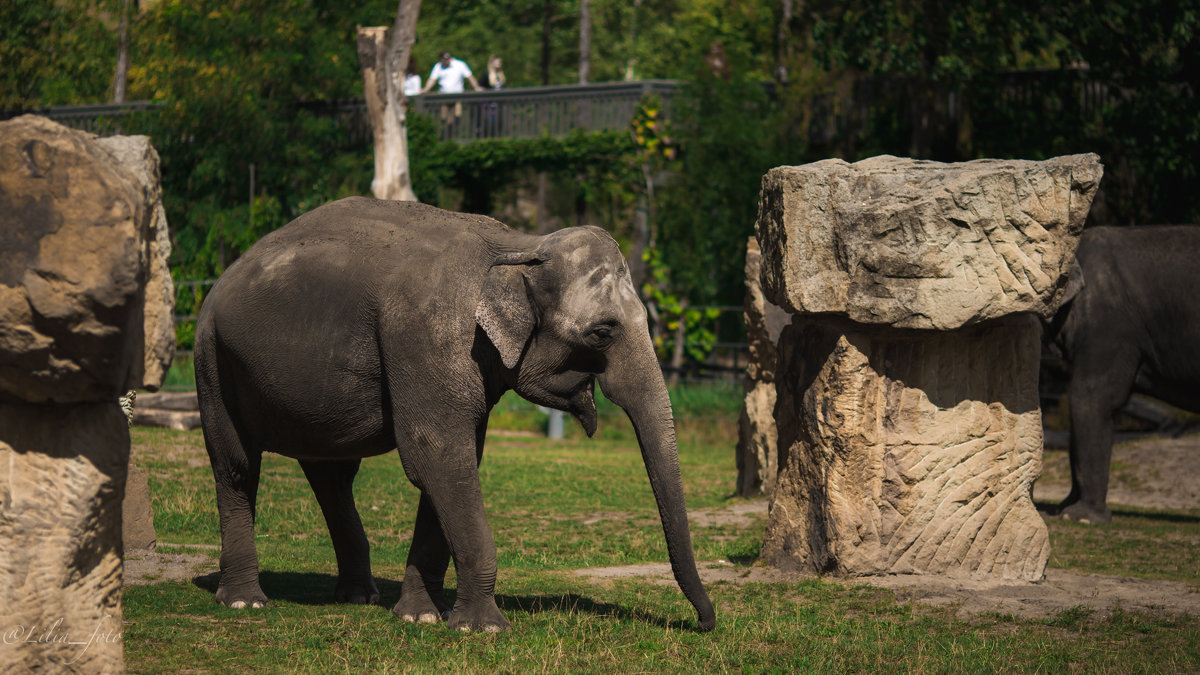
(137, 155)
(918, 244)
(81, 235)
(62, 475)
(908, 424)
(77, 244)
(909, 452)
(757, 449)
(179, 411)
(137, 518)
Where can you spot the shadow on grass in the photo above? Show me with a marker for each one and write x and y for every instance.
(308, 588)
(1051, 510)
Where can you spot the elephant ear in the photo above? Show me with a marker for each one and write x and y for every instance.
(505, 311)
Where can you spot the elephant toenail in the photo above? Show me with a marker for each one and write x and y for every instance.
(238, 604)
(427, 618)
(258, 605)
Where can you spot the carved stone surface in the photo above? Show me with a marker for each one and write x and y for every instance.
(919, 244)
(757, 449)
(907, 409)
(137, 155)
(909, 452)
(77, 245)
(62, 475)
(137, 516)
(81, 234)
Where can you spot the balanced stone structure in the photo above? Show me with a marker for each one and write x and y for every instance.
(908, 423)
(758, 447)
(85, 315)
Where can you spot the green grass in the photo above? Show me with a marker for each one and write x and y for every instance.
(181, 376)
(559, 506)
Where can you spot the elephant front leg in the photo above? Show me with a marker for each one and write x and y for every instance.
(422, 599)
(333, 484)
(451, 486)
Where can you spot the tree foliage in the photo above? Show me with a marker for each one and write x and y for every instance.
(232, 77)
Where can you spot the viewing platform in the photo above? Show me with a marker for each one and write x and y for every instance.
(517, 112)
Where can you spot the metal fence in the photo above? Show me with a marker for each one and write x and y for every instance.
(519, 112)
(529, 112)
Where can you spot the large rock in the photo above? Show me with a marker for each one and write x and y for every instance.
(907, 406)
(758, 449)
(62, 479)
(85, 315)
(917, 244)
(909, 454)
(82, 238)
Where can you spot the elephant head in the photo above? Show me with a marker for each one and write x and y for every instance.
(564, 315)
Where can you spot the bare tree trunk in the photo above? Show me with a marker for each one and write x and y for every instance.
(642, 238)
(383, 56)
(783, 41)
(585, 41)
(680, 341)
(547, 14)
(121, 76)
(631, 60)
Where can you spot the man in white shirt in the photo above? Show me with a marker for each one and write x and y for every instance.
(449, 73)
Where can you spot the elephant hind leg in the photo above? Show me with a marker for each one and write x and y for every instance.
(1098, 389)
(422, 599)
(236, 471)
(333, 484)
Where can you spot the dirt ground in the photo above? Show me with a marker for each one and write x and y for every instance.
(1153, 474)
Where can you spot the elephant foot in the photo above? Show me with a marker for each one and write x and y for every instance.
(1083, 513)
(242, 596)
(419, 607)
(356, 592)
(484, 617)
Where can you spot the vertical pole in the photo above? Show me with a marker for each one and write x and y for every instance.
(252, 196)
(554, 425)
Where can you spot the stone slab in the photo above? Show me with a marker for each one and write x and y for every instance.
(920, 244)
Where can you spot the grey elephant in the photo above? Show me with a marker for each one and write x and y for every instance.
(1131, 325)
(368, 325)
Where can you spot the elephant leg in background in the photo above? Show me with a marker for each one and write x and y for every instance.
(235, 468)
(333, 484)
(422, 599)
(1099, 387)
(451, 486)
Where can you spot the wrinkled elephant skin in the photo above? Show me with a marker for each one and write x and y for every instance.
(1132, 326)
(369, 325)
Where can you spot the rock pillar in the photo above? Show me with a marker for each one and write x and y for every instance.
(758, 449)
(908, 419)
(85, 315)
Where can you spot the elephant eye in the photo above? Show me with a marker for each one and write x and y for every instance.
(602, 334)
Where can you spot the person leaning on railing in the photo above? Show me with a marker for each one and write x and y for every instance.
(449, 74)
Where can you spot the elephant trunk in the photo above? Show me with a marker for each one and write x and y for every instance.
(633, 380)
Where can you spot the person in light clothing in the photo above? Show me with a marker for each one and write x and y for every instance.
(449, 74)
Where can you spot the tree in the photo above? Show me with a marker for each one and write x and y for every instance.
(121, 76)
(383, 55)
(585, 41)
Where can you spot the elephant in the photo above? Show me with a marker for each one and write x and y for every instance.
(1131, 324)
(364, 326)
